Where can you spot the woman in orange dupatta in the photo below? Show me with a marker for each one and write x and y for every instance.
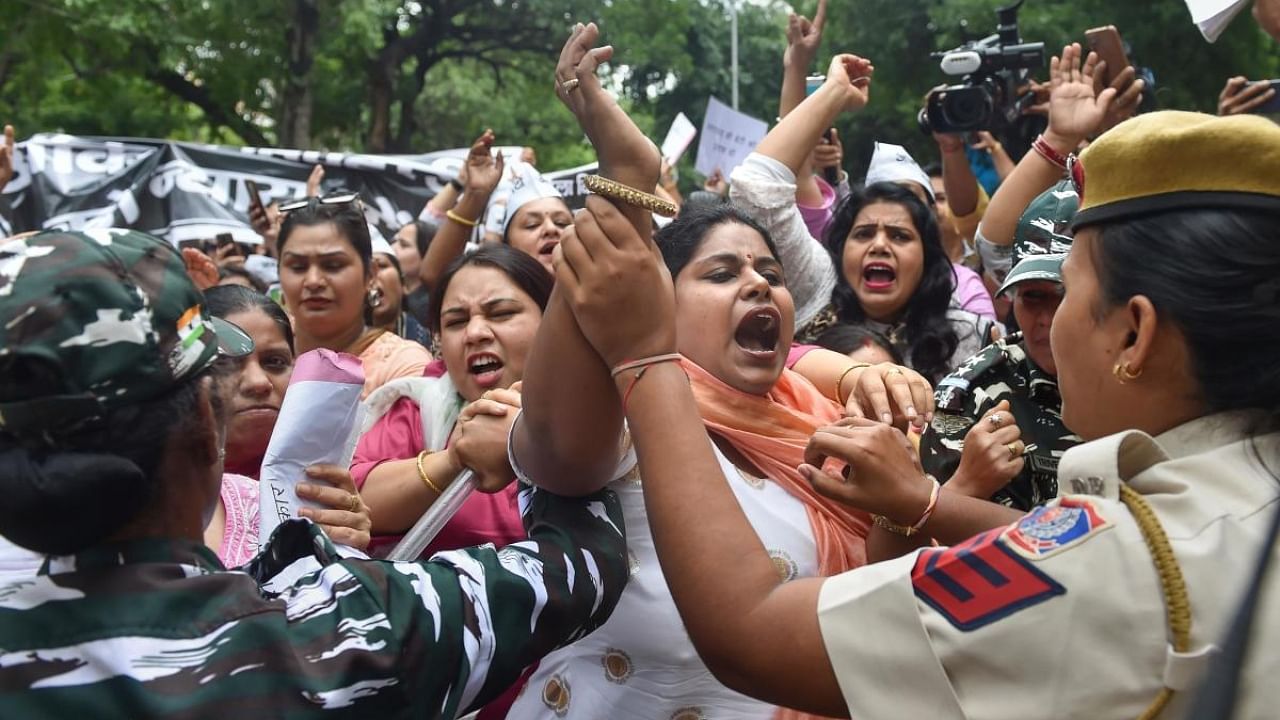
(735, 321)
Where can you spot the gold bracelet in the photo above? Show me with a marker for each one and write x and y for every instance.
(422, 473)
(629, 195)
(459, 219)
(843, 375)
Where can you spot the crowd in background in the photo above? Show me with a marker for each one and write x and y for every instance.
(995, 353)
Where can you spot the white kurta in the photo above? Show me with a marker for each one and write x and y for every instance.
(641, 664)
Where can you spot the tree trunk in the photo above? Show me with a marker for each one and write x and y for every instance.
(295, 125)
(409, 105)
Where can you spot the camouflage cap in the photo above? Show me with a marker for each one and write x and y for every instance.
(1044, 236)
(110, 316)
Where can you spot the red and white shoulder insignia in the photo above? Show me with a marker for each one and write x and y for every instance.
(1050, 529)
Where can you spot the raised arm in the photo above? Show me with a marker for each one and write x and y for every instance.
(484, 172)
(568, 437)
(1075, 112)
(803, 38)
(765, 185)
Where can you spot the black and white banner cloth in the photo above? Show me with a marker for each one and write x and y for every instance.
(189, 191)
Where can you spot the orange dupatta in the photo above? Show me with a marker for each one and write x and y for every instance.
(772, 432)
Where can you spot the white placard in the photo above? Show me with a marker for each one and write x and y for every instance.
(1213, 16)
(679, 136)
(728, 137)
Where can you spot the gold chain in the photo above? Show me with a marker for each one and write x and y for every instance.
(1177, 604)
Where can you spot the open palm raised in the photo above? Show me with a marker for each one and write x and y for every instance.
(1076, 111)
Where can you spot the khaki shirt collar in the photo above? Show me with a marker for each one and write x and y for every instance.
(1098, 467)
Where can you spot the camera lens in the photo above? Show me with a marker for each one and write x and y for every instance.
(967, 108)
(922, 120)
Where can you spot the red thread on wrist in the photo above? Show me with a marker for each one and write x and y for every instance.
(1049, 152)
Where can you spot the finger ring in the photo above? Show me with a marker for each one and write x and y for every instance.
(1014, 450)
(570, 85)
(995, 420)
(354, 504)
(894, 371)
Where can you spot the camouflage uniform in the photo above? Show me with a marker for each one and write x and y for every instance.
(1001, 371)
(157, 627)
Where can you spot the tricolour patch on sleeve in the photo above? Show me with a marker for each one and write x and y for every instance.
(1052, 528)
(979, 581)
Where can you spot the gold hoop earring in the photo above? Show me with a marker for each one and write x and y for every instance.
(1124, 374)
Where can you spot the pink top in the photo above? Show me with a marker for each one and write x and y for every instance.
(321, 365)
(240, 534)
(390, 357)
(798, 351)
(970, 293)
(484, 517)
(818, 218)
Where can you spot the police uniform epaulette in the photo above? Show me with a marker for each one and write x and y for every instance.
(954, 389)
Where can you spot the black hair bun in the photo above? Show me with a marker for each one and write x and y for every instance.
(63, 502)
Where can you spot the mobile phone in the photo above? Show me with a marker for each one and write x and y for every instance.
(255, 198)
(225, 239)
(812, 83)
(1106, 42)
(1272, 106)
(830, 174)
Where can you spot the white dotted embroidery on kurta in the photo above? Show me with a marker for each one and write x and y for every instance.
(786, 567)
(617, 665)
(556, 696)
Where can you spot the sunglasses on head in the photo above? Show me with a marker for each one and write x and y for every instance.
(341, 198)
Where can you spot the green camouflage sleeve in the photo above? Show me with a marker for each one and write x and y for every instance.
(942, 442)
(475, 618)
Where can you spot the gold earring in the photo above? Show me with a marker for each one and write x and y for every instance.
(1124, 374)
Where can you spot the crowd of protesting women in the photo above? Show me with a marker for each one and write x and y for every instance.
(800, 445)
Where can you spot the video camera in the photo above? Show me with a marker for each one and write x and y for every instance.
(993, 69)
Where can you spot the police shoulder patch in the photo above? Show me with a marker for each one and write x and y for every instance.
(1050, 529)
(980, 581)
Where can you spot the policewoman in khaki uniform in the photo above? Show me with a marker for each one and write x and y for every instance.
(1108, 602)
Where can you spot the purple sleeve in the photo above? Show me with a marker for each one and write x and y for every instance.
(818, 218)
(396, 436)
(971, 294)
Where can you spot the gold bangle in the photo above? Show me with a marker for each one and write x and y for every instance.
(843, 375)
(459, 219)
(422, 474)
(629, 195)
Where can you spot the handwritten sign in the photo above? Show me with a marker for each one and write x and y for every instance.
(679, 136)
(728, 136)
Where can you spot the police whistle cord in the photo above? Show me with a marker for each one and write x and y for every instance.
(1217, 695)
(1177, 604)
(434, 519)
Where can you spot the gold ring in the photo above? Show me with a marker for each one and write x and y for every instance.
(355, 503)
(570, 85)
(1014, 450)
(894, 371)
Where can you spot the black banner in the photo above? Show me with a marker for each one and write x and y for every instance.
(189, 191)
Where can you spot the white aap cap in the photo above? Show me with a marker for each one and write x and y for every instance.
(892, 163)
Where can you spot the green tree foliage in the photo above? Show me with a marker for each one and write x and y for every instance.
(418, 75)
